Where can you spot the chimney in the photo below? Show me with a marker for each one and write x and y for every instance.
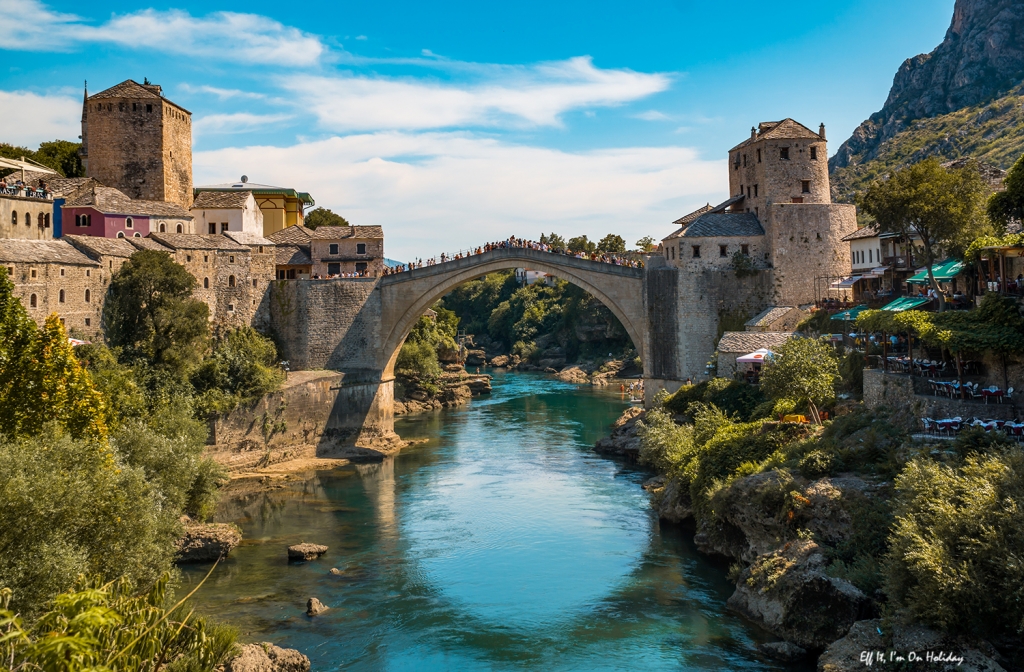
(155, 88)
(821, 131)
(753, 133)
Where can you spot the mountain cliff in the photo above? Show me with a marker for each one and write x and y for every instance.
(962, 99)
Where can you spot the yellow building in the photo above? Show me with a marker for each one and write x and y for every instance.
(281, 206)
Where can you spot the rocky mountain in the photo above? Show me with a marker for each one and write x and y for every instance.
(962, 99)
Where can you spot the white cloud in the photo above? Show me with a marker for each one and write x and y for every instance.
(361, 37)
(29, 25)
(31, 118)
(509, 95)
(221, 94)
(237, 122)
(436, 192)
(652, 115)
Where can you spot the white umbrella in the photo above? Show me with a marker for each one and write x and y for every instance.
(756, 357)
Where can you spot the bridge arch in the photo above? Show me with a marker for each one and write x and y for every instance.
(407, 296)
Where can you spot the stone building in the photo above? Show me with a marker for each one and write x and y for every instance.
(281, 206)
(52, 276)
(108, 212)
(738, 343)
(25, 217)
(330, 251)
(137, 141)
(775, 242)
(59, 190)
(223, 211)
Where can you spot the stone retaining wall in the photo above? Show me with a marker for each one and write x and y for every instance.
(896, 391)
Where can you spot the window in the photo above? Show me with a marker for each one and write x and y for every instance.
(60, 296)
(360, 267)
(32, 273)
(206, 258)
(261, 249)
(360, 248)
(149, 108)
(14, 218)
(870, 255)
(784, 153)
(333, 269)
(748, 192)
(32, 301)
(129, 223)
(254, 283)
(723, 250)
(223, 227)
(88, 295)
(62, 272)
(755, 191)
(206, 283)
(28, 219)
(759, 156)
(135, 107)
(291, 273)
(88, 322)
(744, 160)
(188, 257)
(213, 228)
(736, 162)
(10, 270)
(696, 251)
(120, 234)
(88, 273)
(674, 252)
(231, 258)
(178, 229)
(231, 281)
(40, 220)
(744, 249)
(88, 220)
(46, 221)
(163, 228)
(137, 235)
(805, 186)
(231, 307)
(814, 153)
(333, 247)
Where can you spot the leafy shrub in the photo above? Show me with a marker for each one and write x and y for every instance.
(818, 463)
(106, 626)
(664, 445)
(957, 543)
(418, 358)
(976, 441)
(731, 396)
(804, 370)
(241, 368)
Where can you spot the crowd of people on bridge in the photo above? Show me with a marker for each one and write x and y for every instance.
(518, 243)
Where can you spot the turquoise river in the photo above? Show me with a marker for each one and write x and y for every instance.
(501, 543)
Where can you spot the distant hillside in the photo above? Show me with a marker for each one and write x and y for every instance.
(962, 99)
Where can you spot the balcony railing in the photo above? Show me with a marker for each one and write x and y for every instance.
(27, 192)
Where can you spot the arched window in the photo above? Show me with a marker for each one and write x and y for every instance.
(206, 283)
(88, 295)
(60, 297)
(14, 218)
(120, 234)
(32, 301)
(137, 234)
(46, 221)
(128, 223)
(231, 281)
(178, 228)
(28, 219)
(40, 220)
(163, 228)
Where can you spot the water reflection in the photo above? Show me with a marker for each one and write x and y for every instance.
(503, 542)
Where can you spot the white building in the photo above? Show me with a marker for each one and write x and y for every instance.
(220, 211)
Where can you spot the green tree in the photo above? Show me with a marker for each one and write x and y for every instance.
(612, 244)
(555, 241)
(1007, 206)
(582, 244)
(943, 207)
(62, 156)
(242, 367)
(428, 337)
(18, 335)
(150, 312)
(803, 370)
(323, 217)
(646, 245)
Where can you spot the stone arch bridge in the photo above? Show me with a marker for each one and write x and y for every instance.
(357, 325)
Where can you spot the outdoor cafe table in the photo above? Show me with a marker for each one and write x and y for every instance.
(998, 394)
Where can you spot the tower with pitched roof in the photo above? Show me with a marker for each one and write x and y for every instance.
(136, 140)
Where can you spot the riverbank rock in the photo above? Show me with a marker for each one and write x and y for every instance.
(789, 594)
(672, 501)
(336, 572)
(206, 542)
(573, 374)
(476, 357)
(315, 607)
(787, 652)
(847, 654)
(266, 657)
(304, 552)
(623, 440)
(501, 361)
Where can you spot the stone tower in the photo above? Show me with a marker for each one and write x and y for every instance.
(139, 142)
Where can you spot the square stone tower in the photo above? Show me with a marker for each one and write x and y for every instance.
(137, 141)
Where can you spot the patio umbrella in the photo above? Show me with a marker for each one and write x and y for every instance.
(756, 357)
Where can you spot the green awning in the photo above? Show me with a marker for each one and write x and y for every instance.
(905, 303)
(851, 314)
(943, 271)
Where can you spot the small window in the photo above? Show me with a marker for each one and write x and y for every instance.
(744, 160)
(28, 219)
(10, 270)
(223, 227)
(814, 153)
(32, 303)
(870, 254)
(14, 218)
(163, 228)
(333, 248)
(60, 296)
(120, 234)
(231, 258)
(40, 219)
(88, 322)
(137, 235)
(149, 108)
(261, 249)
(231, 307)
(129, 223)
(254, 283)
(206, 258)
(46, 221)
(33, 272)
(88, 295)
(62, 272)
(135, 107)
(206, 283)
(333, 269)
(696, 251)
(361, 267)
(723, 250)
(674, 252)
(784, 153)
(360, 248)
(213, 228)
(805, 186)
(178, 229)
(88, 273)
(755, 191)
(744, 249)
(759, 156)
(231, 281)
(188, 257)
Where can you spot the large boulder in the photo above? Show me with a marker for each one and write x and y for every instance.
(266, 657)
(789, 594)
(623, 441)
(868, 645)
(315, 607)
(206, 542)
(573, 374)
(304, 552)
(672, 501)
(500, 361)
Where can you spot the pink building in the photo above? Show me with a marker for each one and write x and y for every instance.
(108, 213)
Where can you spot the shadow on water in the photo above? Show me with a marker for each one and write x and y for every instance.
(502, 542)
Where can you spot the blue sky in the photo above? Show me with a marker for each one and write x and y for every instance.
(454, 124)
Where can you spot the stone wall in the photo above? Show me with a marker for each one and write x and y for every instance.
(41, 284)
(16, 207)
(347, 256)
(177, 156)
(779, 180)
(896, 391)
(806, 243)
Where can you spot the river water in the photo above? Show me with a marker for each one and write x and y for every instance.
(501, 543)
